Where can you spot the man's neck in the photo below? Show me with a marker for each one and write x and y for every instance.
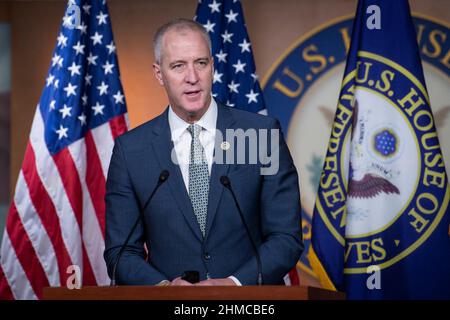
(193, 117)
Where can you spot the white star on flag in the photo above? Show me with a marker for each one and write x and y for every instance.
(67, 21)
(111, 47)
(252, 96)
(82, 27)
(231, 16)
(98, 108)
(87, 8)
(52, 105)
(222, 56)
(227, 37)
(101, 18)
(217, 77)
(214, 6)
(79, 48)
(103, 88)
(230, 104)
(62, 132)
(209, 26)
(82, 119)
(84, 98)
(233, 86)
(245, 46)
(92, 59)
(239, 66)
(118, 97)
(70, 90)
(62, 40)
(57, 60)
(108, 67)
(87, 79)
(65, 111)
(74, 69)
(97, 38)
(50, 79)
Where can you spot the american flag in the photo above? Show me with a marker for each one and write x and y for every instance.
(235, 82)
(56, 221)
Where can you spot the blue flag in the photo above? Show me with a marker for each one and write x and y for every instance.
(235, 81)
(381, 219)
(83, 88)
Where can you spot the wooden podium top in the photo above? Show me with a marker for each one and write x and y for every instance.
(192, 293)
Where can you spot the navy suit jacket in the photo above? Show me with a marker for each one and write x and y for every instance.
(270, 205)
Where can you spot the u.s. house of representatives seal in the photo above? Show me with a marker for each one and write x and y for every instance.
(302, 91)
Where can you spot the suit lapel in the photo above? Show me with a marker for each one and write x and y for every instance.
(224, 121)
(162, 147)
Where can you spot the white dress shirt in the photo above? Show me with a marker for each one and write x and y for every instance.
(182, 138)
(182, 143)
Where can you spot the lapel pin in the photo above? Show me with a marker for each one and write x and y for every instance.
(225, 145)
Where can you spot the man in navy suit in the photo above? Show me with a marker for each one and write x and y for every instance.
(192, 222)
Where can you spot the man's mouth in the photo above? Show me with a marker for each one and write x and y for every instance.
(192, 93)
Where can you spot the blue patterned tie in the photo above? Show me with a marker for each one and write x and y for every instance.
(198, 177)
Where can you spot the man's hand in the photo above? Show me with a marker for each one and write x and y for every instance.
(216, 282)
(180, 282)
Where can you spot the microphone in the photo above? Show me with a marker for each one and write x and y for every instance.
(191, 276)
(227, 184)
(163, 176)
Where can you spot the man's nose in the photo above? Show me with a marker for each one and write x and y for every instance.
(191, 75)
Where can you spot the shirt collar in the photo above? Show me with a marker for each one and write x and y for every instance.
(208, 121)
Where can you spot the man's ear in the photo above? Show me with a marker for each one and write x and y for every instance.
(157, 73)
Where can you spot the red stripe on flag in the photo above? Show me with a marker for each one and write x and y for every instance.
(5, 290)
(46, 211)
(118, 126)
(71, 181)
(88, 274)
(95, 180)
(72, 185)
(25, 252)
(293, 275)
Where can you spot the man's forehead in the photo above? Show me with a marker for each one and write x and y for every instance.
(181, 32)
(173, 43)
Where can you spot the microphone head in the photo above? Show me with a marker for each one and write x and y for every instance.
(164, 175)
(225, 181)
(191, 276)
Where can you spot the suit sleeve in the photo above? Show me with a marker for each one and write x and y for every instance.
(122, 210)
(280, 212)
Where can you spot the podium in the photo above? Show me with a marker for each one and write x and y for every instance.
(192, 293)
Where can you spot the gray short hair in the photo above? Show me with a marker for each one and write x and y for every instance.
(179, 25)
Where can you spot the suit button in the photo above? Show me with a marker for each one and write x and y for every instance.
(206, 256)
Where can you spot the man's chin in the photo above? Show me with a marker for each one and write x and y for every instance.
(196, 108)
(195, 113)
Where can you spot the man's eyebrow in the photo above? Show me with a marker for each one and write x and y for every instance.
(205, 58)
